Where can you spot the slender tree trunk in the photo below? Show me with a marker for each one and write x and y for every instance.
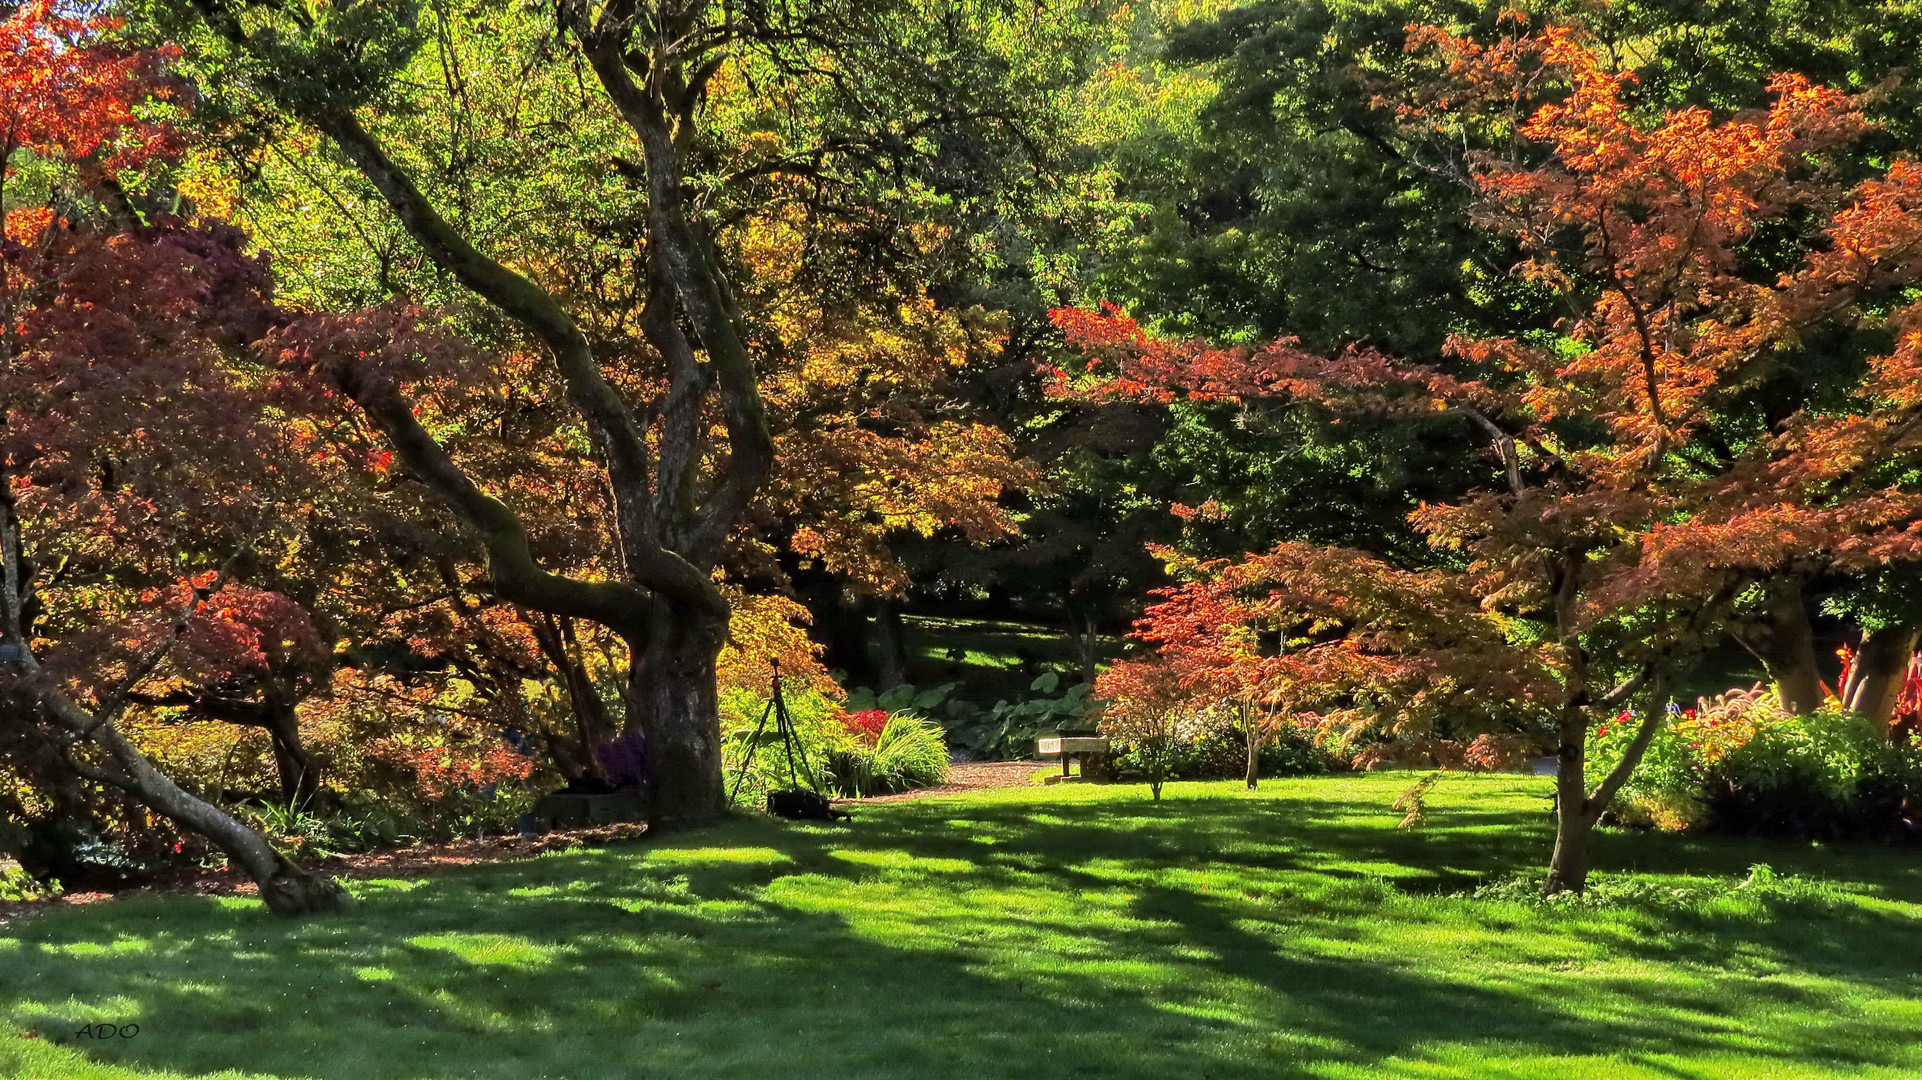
(1577, 809)
(299, 772)
(893, 661)
(679, 717)
(591, 722)
(1881, 666)
(1087, 641)
(1568, 866)
(1254, 759)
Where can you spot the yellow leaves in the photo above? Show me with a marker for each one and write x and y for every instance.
(214, 189)
(770, 628)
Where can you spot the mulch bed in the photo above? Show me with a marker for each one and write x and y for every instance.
(431, 858)
(974, 776)
(402, 862)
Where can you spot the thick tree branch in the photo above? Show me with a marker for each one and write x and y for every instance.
(678, 252)
(515, 574)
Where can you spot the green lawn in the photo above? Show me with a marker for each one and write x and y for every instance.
(1051, 932)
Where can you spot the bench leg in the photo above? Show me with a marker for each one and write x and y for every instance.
(1065, 759)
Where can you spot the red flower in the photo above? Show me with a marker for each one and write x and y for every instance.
(867, 724)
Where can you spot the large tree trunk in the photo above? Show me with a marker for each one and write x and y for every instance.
(1881, 666)
(678, 703)
(1784, 641)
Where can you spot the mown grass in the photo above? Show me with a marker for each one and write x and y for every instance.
(1059, 932)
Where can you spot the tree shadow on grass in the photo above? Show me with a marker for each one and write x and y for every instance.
(682, 976)
(928, 941)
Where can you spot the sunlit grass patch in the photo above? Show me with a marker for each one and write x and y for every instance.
(1068, 931)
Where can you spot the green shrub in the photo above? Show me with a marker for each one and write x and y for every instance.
(819, 734)
(1757, 892)
(16, 884)
(1740, 763)
(1211, 747)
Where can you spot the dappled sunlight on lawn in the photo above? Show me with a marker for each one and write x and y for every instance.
(1077, 930)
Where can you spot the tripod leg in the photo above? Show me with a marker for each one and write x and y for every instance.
(753, 744)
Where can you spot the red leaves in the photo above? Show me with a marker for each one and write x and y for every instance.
(867, 726)
(1149, 369)
(392, 342)
(241, 631)
(1337, 631)
(66, 98)
(1676, 492)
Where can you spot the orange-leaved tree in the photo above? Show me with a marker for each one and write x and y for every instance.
(1635, 494)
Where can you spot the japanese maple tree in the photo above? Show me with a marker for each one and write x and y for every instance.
(669, 400)
(1634, 497)
(131, 465)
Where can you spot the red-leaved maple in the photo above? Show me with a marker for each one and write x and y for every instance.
(1635, 500)
(131, 461)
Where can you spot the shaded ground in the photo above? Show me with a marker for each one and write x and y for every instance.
(419, 859)
(1034, 932)
(991, 659)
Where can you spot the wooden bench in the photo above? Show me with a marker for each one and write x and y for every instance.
(1068, 746)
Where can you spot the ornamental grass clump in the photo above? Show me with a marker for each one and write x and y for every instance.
(908, 752)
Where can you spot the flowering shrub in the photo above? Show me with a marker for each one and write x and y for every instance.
(1741, 763)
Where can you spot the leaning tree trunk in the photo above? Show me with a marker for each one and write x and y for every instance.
(1881, 666)
(284, 887)
(673, 685)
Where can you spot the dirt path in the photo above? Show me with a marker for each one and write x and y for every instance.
(973, 776)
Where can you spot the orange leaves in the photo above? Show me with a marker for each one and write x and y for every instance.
(26, 225)
(1151, 369)
(66, 98)
(1338, 631)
